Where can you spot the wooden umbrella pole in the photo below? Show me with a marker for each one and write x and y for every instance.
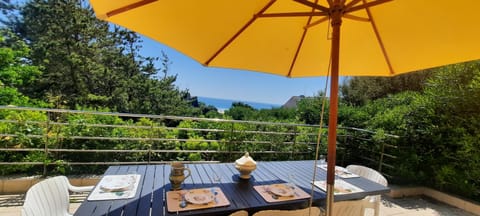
(336, 14)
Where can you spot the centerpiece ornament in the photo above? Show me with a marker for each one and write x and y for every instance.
(245, 165)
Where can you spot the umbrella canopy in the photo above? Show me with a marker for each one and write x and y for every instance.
(299, 38)
(292, 39)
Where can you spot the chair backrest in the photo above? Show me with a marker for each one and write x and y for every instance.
(312, 211)
(368, 173)
(348, 208)
(239, 213)
(49, 197)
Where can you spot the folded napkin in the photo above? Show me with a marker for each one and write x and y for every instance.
(113, 187)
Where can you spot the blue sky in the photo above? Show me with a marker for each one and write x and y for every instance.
(232, 84)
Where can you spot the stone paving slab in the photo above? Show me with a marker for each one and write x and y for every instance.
(417, 205)
(15, 210)
(10, 205)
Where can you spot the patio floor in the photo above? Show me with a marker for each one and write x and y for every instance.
(412, 206)
(417, 206)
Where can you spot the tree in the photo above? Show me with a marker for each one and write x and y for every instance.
(454, 128)
(139, 87)
(16, 71)
(276, 115)
(88, 62)
(240, 111)
(5, 8)
(438, 129)
(309, 109)
(358, 91)
(66, 41)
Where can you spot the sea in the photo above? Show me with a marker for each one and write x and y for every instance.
(224, 104)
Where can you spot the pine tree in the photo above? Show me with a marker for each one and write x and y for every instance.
(88, 62)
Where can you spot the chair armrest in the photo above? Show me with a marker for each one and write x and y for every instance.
(80, 189)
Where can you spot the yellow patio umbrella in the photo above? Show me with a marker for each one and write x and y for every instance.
(299, 38)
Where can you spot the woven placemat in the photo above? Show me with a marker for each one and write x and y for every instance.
(175, 197)
(264, 191)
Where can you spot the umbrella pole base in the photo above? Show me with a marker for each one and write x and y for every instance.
(330, 188)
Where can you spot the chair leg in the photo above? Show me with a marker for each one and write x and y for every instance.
(377, 208)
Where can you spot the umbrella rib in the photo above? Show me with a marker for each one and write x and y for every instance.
(366, 5)
(129, 7)
(240, 31)
(330, 3)
(294, 60)
(351, 4)
(380, 41)
(357, 18)
(293, 14)
(313, 5)
(317, 22)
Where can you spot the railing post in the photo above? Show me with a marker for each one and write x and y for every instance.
(231, 140)
(295, 131)
(152, 132)
(380, 163)
(345, 149)
(272, 150)
(46, 144)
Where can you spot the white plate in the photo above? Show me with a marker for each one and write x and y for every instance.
(200, 196)
(117, 183)
(281, 190)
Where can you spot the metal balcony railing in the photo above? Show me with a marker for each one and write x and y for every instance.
(58, 139)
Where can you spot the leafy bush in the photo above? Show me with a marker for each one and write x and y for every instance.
(439, 129)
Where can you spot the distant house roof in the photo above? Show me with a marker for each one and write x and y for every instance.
(292, 102)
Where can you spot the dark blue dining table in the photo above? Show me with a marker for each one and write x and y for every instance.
(150, 197)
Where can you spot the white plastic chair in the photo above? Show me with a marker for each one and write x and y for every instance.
(343, 208)
(348, 208)
(314, 211)
(371, 174)
(239, 213)
(50, 197)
